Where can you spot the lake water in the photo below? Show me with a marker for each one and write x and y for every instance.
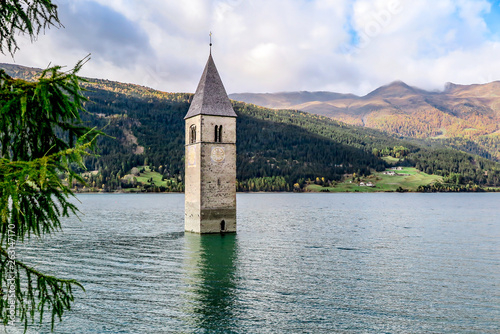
(300, 263)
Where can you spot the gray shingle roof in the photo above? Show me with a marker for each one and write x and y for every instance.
(210, 97)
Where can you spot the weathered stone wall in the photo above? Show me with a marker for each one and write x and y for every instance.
(218, 181)
(208, 124)
(192, 166)
(196, 120)
(211, 176)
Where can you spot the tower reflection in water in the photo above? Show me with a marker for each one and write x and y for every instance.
(210, 265)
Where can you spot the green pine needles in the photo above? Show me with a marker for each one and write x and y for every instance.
(24, 16)
(42, 141)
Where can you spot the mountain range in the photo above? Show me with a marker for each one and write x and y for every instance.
(278, 149)
(466, 117)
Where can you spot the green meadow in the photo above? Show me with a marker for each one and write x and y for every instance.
(147, 175)
(151, 178)
(407, 179)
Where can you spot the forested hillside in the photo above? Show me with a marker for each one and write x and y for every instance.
(277, 149)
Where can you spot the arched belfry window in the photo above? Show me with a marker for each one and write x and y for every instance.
(192, 134)
(218, 134)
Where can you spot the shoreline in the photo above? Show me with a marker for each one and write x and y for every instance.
(489, 190)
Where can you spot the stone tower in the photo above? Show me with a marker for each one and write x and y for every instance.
(210, 192)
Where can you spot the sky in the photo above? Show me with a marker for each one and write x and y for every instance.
(265, 46)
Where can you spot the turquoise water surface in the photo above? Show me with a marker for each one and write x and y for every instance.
(300, 263)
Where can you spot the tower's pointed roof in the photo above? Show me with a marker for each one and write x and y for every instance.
(210, 97)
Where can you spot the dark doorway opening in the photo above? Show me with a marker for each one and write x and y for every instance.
(223, 225)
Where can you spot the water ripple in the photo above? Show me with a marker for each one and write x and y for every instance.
(300, 263)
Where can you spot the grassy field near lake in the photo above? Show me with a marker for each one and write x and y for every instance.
(408, 179)
(147, 175)
(151, 178)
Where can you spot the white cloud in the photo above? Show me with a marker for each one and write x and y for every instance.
(427, 44)
(274, 45)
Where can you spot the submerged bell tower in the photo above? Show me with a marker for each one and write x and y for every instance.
(210, 164)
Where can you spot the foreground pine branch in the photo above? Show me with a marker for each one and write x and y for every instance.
(42, 141)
